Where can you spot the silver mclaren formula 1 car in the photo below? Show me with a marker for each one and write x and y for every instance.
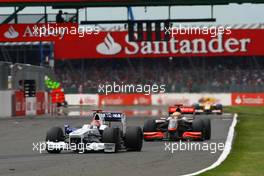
(99, 135)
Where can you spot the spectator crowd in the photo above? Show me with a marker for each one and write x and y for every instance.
(179, 75)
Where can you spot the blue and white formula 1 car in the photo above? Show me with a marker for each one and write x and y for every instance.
(99, 135)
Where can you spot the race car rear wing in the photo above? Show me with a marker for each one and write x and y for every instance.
(110, 116)
(113, 116)
(181, 109)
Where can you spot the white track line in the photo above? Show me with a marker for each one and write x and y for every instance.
(225, 153)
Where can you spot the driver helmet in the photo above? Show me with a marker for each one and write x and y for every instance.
(176, 115)
(96, 121)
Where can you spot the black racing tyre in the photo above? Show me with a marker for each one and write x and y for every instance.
(198, 126)
(207, 128)
(150, 126)
(219, 107)
(55, 134)
(196, 106)
(134, 138)
(112, 135)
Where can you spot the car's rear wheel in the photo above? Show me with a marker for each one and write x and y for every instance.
(150, 125)
(207, 128)
(112, 135)
(196, 107)
(55, 134)
(198, 126)
(219, 107)
(134, 138)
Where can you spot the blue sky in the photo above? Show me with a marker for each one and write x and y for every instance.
(225, 14)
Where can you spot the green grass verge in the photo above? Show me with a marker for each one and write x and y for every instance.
(247, 155)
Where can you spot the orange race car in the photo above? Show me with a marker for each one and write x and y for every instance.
(180, 125)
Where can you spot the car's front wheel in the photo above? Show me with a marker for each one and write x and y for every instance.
(112, 135)
(55, 134)
(134, 138)
(150, 126)
(198, 126)
(207, 128)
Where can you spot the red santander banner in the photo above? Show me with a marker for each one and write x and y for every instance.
(124, 99)
(247, 99)
(19, 104)
(116, 45)
(95, 44)
(40, 98)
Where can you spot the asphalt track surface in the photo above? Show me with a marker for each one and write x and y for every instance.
(18, 158)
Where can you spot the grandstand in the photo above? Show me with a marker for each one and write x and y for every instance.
(217, 74)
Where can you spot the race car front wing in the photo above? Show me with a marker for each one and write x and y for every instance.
(188, 135)
(81, 147)
(213, 111)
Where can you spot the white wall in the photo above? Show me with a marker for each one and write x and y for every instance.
(6, 103)
(87, 99)
(157, 99)
(189, 98)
